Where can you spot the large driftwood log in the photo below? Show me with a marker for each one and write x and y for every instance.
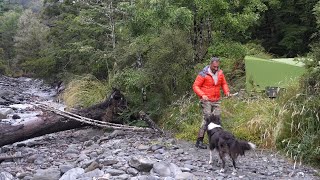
(50, 122)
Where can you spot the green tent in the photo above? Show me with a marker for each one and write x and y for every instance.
(262, 73)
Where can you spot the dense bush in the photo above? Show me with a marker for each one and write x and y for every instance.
(3, 68)
(299, 135)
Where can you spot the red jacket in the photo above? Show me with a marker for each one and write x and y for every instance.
(204, 85)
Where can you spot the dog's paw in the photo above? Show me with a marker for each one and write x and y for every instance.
(222, 170)
(234, 172)
(210, 162)
(219, 161)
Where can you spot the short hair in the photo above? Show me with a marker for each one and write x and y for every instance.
(215, 59)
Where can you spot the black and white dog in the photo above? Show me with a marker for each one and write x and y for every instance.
(225, 142)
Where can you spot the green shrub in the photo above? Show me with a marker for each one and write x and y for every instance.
(3, 68)
(43, 67)
(183, 118)
(255, 49)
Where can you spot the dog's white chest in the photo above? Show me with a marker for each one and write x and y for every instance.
(212, 126)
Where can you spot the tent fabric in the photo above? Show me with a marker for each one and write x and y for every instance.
(262, 73)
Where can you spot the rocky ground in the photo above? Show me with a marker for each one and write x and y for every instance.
(93, 153)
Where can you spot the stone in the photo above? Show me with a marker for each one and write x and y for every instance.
(141, 164)
(4, 112)
(114, 172)
(72, 174)
(132, 171)
(162, 168)
(65, 167)
(47, 174)
(6, 176)
(95, 173)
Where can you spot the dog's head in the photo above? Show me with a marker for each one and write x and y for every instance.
(214, 119)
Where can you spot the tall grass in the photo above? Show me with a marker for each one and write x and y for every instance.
(252, 119)
(84, 91)
(298, 133)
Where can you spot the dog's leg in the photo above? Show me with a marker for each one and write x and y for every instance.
(234, 157)
(234, 163)
(234, 172)
(219, 161)
(211, 154)
(222, 157)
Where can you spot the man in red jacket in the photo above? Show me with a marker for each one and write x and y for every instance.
(207, 86)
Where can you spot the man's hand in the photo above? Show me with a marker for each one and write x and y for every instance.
(228, 94)
(204, 97)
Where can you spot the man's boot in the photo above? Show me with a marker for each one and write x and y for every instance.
(199, 144)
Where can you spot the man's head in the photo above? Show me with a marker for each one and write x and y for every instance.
(214, 64)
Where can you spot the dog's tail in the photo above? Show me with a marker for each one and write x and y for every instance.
(245, 146)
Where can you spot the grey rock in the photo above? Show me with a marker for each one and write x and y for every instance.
(145, 177)
(39, 160)
(300, 174)
(92, 174)
(116, 133)
(162, 168)
(172, 141)
(141, 164)
(71, 151)
(179, 151)
(88, 143)
(159, 156)
(82, 157)
(161, 151)
(155, 147)
(109, 162)
(122, 177)
(47, 174)
(32, 158)
(184, 176)
(28, 151)
(72, 174)
(142, 147)
(21, 175)
(114, 172)
(132, 171)
(4, 112)
(185, 169)
(116, 151)
(189, 166)
(27, 178)
(168, 178)
(65, 167)
(174, 170)
(6, 176)
(94, 165)
(94, 154)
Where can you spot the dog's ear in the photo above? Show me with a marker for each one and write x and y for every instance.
(214, 118)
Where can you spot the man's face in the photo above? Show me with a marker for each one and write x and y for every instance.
(214, 66)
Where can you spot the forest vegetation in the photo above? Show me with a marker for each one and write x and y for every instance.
(158, 46)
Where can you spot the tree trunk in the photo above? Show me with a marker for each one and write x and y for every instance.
(49, 122)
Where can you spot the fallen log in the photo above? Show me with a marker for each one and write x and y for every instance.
(94, 122)
(50, 122)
